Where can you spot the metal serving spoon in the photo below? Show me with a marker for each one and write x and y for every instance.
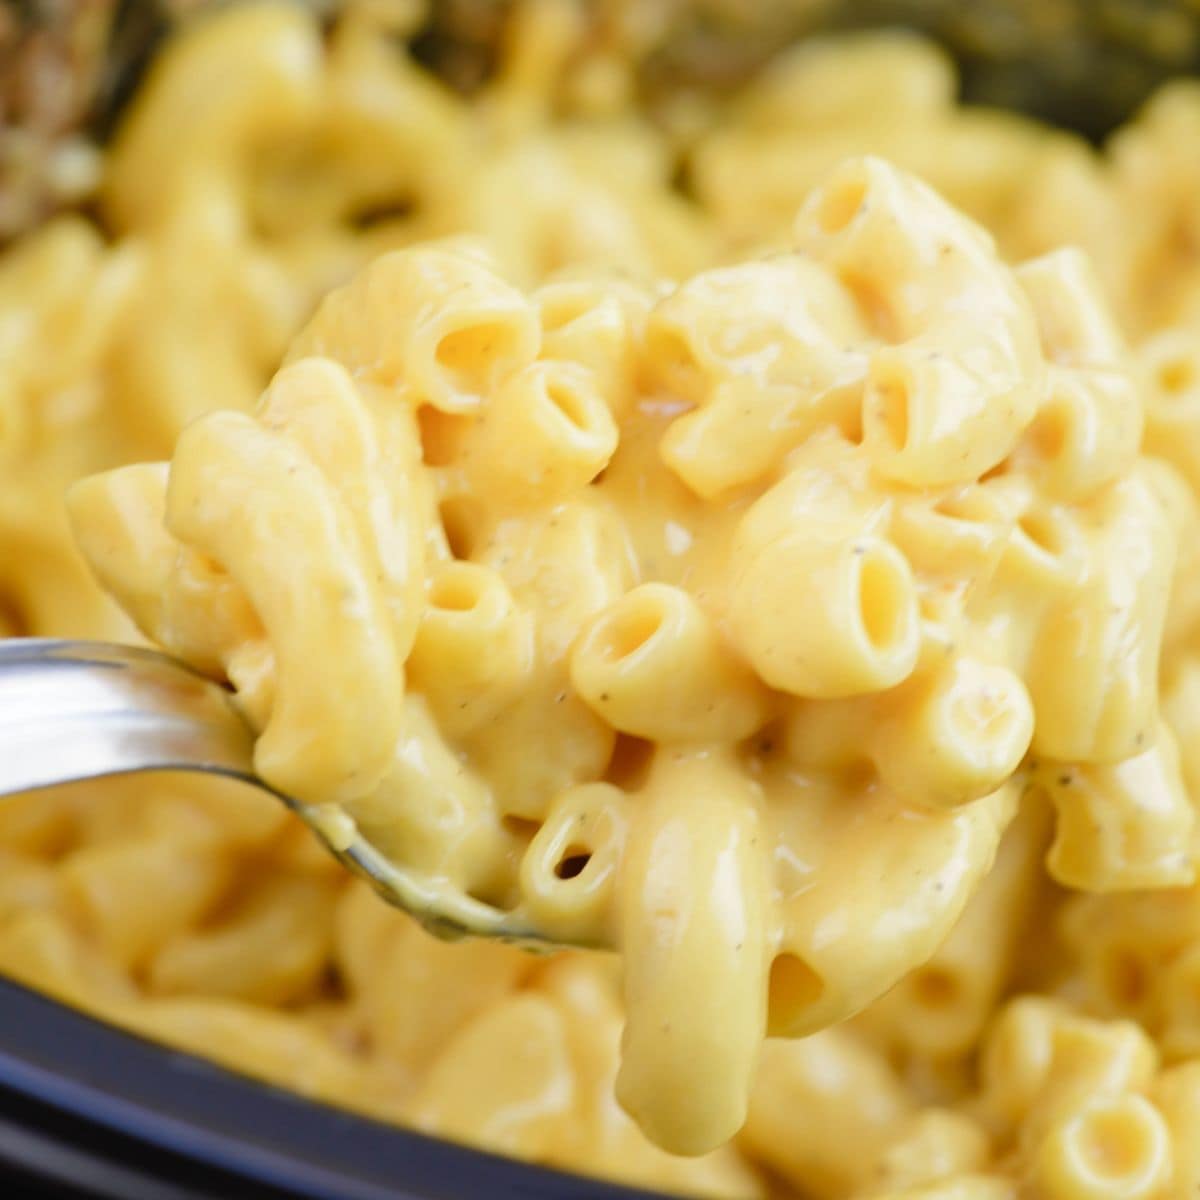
(71, 711)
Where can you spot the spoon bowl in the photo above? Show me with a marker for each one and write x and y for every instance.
(77, 710)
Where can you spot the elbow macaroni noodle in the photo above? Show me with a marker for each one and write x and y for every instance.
(789, 588)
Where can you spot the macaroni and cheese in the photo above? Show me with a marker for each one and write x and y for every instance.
(787, 586)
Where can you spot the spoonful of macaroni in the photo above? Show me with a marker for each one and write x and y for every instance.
(721, 623)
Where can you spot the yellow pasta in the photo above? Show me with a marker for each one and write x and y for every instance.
(409, 992)
(945, 398)
(786, 586)
(525, 1107)
(270, 948)
(1128, 826)
(845, 1090)
(1110, 1148)
(105, 887)
(697, 821)
(569, 873)
(653, 665)
(421, 379)
(931, 1146)
(1175, 1096)
(939, 1010)
(474, 648)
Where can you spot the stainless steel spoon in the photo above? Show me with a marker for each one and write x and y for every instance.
(71, 711)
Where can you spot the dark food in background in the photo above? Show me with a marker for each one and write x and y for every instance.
(1084, 64)
(66, 69)
(52, 53)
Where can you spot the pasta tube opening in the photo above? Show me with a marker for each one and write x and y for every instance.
(822, 617)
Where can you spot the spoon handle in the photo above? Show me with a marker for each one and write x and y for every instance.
(72, 710)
